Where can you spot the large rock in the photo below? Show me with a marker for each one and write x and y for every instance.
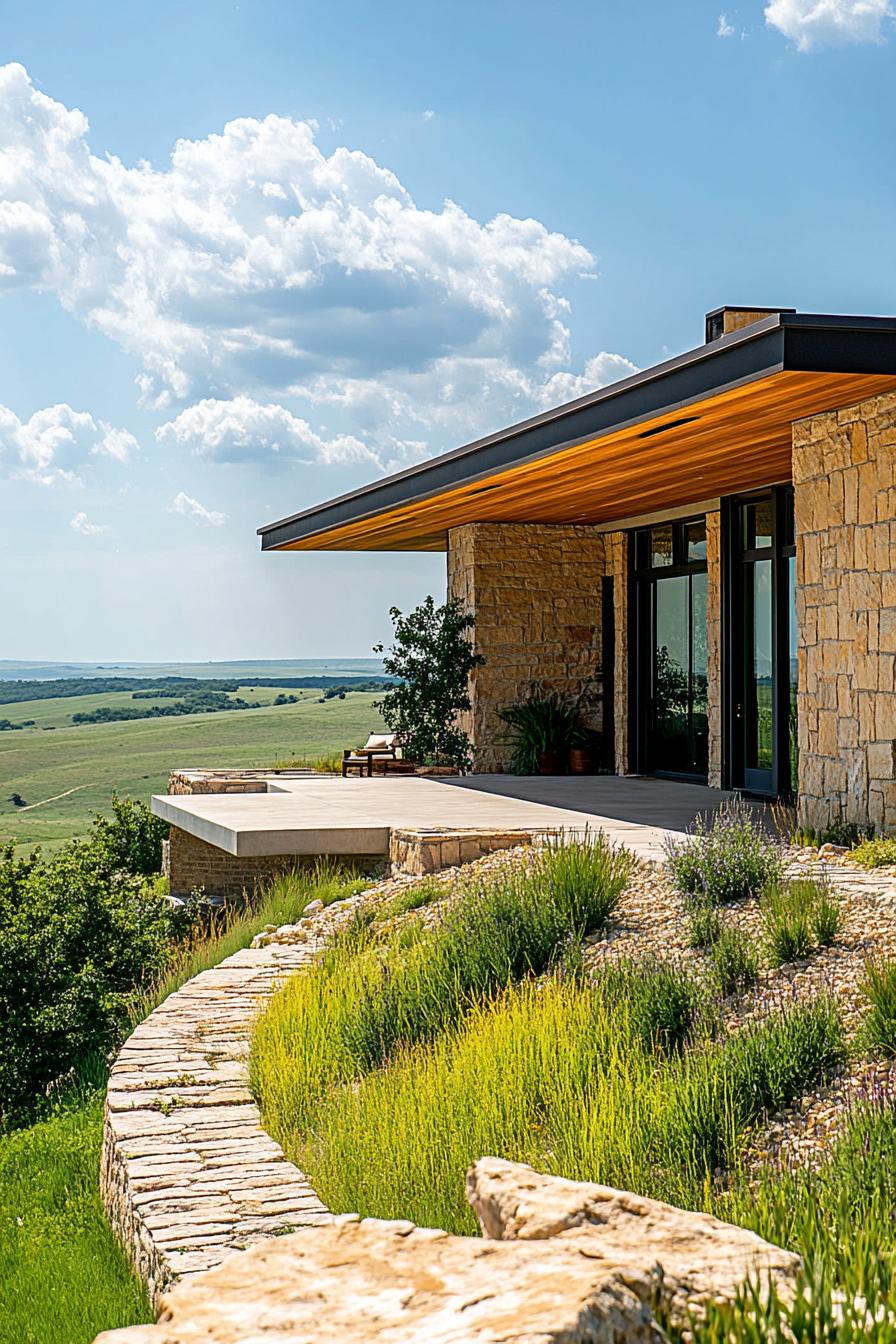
(692, 1257)
(397, 1284)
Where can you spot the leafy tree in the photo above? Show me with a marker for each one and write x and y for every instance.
(433, 656)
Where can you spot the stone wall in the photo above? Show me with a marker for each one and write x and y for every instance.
(193, 864)
(187, 1172)
(419, 850)
(844, 473)
(535, 591)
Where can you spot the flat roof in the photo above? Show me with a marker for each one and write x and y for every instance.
(712, 421)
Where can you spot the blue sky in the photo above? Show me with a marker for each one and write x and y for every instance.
(253, 255)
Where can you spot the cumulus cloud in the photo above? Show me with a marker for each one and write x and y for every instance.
(828, 23)
(725, 29)
(243, 430)
(191, 508)
(254, 268)
(85, 528)
(255, 260)
(56, 442)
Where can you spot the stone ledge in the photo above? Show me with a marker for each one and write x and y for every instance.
(420, 850)
(188, 1174)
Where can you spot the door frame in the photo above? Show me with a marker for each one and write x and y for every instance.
(642, 582)
(735, 645)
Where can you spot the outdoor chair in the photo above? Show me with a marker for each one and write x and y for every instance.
(380, 748)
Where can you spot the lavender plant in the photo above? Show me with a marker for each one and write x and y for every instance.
(726, 858)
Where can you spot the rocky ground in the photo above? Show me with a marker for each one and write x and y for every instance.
(651, 918)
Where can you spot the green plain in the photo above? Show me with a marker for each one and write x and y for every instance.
(135, 757)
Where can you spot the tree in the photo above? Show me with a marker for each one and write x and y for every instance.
(433, 656)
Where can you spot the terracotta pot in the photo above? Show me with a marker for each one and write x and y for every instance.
(581, 761)
(549, 763)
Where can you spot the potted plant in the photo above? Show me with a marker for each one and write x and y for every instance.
(541, 726)
(584, 751)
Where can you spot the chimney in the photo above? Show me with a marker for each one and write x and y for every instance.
(723, 320)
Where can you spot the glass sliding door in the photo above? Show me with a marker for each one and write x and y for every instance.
(670, 656)
(761, 654)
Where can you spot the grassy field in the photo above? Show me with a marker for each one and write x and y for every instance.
(87, 763)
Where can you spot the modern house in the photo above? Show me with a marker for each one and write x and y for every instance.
(711, 542)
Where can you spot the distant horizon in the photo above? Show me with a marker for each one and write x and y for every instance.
(47, 669)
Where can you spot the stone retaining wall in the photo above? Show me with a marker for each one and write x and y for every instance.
(188, 1174)
(419, 851)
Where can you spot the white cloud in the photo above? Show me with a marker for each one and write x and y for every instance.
(725, 29)
(56, 442)
(428, 114)
(243, 430)
(828, 23)
(255, 267)
(82, 525)
(191, 508)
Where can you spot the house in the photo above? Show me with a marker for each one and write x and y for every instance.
(711, 542)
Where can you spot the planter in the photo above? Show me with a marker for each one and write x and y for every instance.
(581, 761)
(549, 762)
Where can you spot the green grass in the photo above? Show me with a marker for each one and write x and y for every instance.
(63, 1276)
(879, 986)
(556, 1074)
(799, 917)
(136, 757)
(364, 1000)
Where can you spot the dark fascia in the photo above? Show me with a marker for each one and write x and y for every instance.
(807, 342)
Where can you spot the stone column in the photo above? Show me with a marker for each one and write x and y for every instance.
(844, 474)
(535, 591)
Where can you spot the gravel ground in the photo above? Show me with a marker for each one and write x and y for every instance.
(651, 919)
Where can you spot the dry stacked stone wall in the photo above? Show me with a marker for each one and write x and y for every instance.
(844, 474)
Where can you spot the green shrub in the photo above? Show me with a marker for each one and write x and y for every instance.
(799, 917)
(663, 1002)
(131, 838)
(880, 987)
(77, 934)
(704, 923)
(733, 962)
(879, 853)
(545, 720)
(414, 897)
(583, 879)
(725, 859)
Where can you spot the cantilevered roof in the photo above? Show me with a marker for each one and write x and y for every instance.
(713, 421)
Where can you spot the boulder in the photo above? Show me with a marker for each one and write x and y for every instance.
(694, 1258)
(396, 1284)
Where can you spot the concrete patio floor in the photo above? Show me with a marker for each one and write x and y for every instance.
(326, 815)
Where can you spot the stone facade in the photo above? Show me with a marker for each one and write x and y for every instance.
(182, 782)
(536, 593)
(844, 475)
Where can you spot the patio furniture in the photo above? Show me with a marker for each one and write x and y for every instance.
(382, 748)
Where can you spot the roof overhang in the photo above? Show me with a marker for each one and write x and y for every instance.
(713, 421)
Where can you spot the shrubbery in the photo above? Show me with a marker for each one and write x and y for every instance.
(726, 859)
(79, 930)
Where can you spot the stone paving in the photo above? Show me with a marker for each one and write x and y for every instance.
(188, 1174)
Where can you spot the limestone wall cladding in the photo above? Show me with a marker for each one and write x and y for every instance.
(844, 472)
(714, 646)
(535, 591)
